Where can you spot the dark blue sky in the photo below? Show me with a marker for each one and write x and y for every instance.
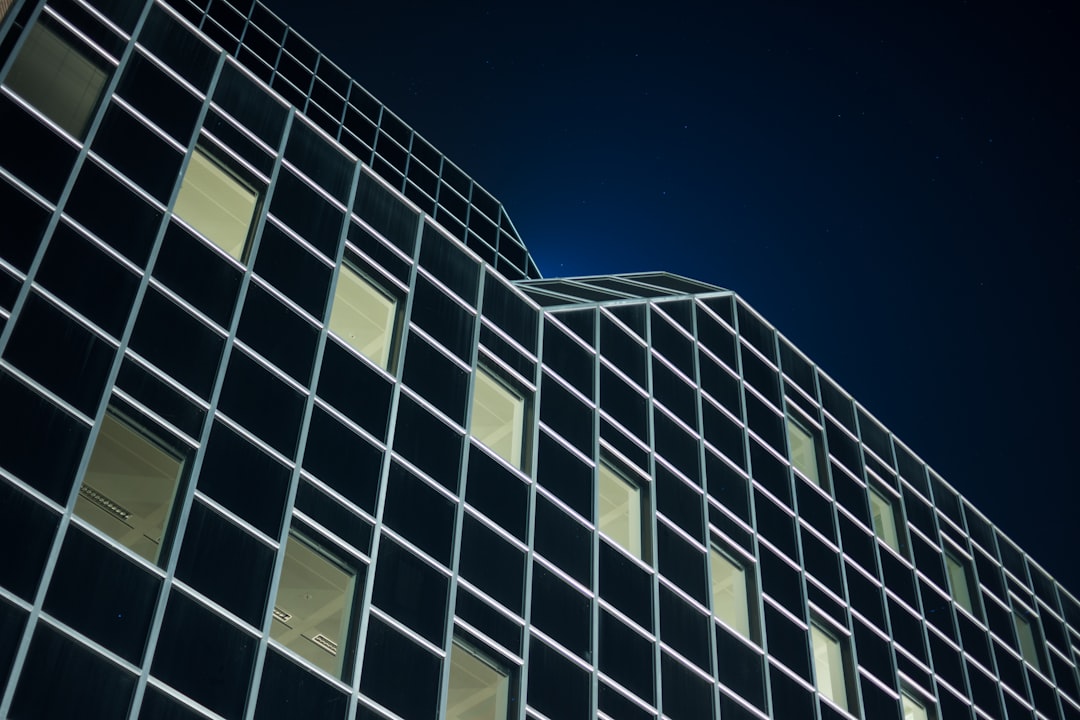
(893, 185)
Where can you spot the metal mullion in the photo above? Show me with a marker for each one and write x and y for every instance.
(654, 580)
(384, 472)
(19, 659)
(183, 505)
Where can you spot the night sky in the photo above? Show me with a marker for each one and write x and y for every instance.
(893, 185)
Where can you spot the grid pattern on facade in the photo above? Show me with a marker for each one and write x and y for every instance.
(288, 436)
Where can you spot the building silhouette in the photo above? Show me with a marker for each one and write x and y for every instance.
(294, 428)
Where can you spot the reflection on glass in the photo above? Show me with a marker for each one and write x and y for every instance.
(478, 690)
(618, 512)
(958, 582)
(498, 417)
(729, 593)
(217, 204)
(59, 80)
(313, 604)
(883, 518)
(363, 316)
(803, 451)
(829, 666)
(129, 487)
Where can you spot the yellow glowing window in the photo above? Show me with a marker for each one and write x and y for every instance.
(498, 417)
(958, 582)
(829, 666)
(129, 487)
(883, 518)
(478, 690)
(618, 512)
(729, 592)
(913, 709)
(363, 316)
(313, 605)
(218, 204)
(804, 451)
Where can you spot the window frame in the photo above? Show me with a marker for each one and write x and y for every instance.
(524, 423)
(156, 438)
(323, 548)
(640, 491)
(393, 332)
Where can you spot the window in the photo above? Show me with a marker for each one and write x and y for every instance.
(314, 605)
(498, 417)
(217, 203)
(130, 485)
(913, 709)
(62, 81)
(729, 592)
(1025, 634)
(804, 451)
(829, 671)
(618, 511)
(363, 316)
(479, 690)
(883, 518)
(958, 582)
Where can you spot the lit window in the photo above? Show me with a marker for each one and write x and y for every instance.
(1029, 647)
(913, 709)
(363, 316)
(804, 452)
(478, 689)
(958, 582)
(729, 592)
(130, 486)
(314, 604)
(217, 203)
(498, 417)
(58, 79)
(883, 518)
(618, 512)
(829, 671)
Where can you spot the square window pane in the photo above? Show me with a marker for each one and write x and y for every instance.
(478, 690)
(217, 203)
(729, 593)
(498, 417)
(363, 316)
(829, 666)
(883, 517)
(58, 79)
(958, 584)
(129, 486)
(804, 454)
(313, 605)
(618, 512)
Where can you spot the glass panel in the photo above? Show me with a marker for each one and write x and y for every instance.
(363, 316)
(829, 666)
(729, 593)
(129, 487)
(478, 690)
(803, 451)
(58, 79)
(884, 519)
(498, 417)
(217, 204)
(618, 512)
(1026, 634)
(958, 584)
(313, 604)
(913, 709)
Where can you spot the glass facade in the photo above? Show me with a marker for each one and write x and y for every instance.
(299, 430)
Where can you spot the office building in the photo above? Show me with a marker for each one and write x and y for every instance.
(295, 428)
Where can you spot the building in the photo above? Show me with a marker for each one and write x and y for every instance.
(295, 429)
